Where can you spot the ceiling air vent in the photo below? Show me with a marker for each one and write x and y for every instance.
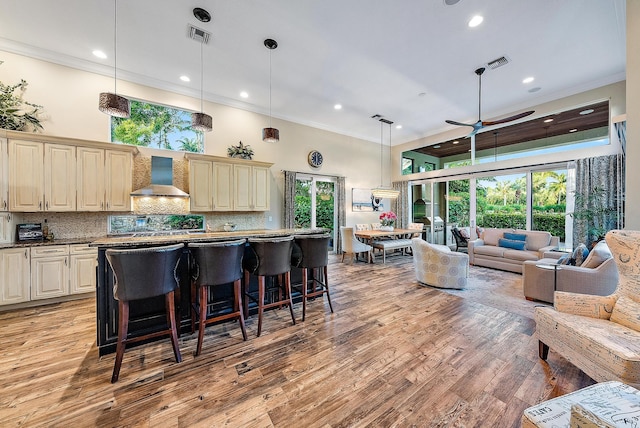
(498, 62)
(199, 35)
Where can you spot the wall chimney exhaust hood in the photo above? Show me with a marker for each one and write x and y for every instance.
(161, 180)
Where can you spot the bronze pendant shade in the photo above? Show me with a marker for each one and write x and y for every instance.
(114, 105)
(201, 122)
(270, 135)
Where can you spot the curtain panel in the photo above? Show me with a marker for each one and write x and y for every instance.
(401, 205)
(289, 199)
(599, 198)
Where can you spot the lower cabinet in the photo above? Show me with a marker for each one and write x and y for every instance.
(15, 276)
(45, 272)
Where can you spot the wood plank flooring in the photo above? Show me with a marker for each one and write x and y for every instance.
(393, 354)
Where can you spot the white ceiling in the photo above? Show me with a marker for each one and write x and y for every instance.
(371, 56)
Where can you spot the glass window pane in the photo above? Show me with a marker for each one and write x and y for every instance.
(501, 201)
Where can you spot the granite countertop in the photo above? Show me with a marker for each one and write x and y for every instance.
(47, 243)
(134, 241)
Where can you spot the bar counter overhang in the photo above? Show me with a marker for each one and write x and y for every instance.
(149, 315)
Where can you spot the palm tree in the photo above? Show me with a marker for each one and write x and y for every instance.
(504, 189)
(558, 186)
(189, 144)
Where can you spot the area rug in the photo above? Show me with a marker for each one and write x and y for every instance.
(498, 289)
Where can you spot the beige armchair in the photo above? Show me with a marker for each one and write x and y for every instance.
(599, 334)
(438, 266)
(598, 275)
(351, 245)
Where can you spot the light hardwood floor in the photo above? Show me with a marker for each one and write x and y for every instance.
(393, 354)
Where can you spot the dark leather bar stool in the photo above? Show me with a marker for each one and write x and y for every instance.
(269, 257)
(142, 273)
(215, 264)
(311, 253)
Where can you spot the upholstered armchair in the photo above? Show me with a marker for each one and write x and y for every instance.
(599, 334)
(438, 266)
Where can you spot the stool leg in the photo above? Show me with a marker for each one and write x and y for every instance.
(202, 317)
(260, 302)
(193, 306)
(245, 286)
(237, 306)
(123, 326)
(326, 286)
(304, 292)
(287, 284)
(171, 315)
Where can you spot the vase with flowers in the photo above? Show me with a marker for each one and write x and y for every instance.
(388, 220)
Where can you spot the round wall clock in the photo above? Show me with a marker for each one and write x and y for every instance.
(315, 159)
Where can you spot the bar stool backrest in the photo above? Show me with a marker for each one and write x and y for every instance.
(311, 251)
(141, 273)
(217, 263)
(268, 256)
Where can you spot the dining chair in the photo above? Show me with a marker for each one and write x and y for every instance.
(351, 245)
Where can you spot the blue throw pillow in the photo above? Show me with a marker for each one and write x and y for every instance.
(511, 243)
(580, 254)
(565, 260)
(515, 236)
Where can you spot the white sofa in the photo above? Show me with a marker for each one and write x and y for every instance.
(486, 251)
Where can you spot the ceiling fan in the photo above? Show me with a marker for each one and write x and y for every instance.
(481, 123)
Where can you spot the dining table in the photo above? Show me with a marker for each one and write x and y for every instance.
(369, 236)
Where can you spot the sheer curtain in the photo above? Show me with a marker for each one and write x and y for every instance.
(599, 201)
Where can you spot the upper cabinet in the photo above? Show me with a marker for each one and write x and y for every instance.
(226, 184)
(48, 173)
(4, 175)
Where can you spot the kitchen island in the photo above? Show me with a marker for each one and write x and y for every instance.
(149, 315)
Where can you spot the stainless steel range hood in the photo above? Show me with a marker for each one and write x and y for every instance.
(161, 180)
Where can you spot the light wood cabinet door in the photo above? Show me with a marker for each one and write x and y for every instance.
(242, 183)
(4, 175)
(200, 185)
(6, 228)
(260, 188)
(118, 180)
(222, 186)
(15, 279)
(50, 274)
(59, 178)
(90, 179)
(83, 273)
(26, 190)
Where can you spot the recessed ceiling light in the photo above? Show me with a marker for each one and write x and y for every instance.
(398, 126)
(450, 2)
(338, 106)
(422, 94)
(456, 142)
(185, 78)
(527, 80)
(587, 111)
(573, 130)
(536, 89)
(475, 21)
(548, 120)
(437, 146)
(99, 54)
(244, 94)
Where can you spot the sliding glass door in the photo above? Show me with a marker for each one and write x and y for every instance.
(315, 203)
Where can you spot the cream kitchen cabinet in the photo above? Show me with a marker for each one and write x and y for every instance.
(41, 176)
(15, 278)
(210, 185)
(251, 188)
(4, 175)
(6, 228)
(82, 269)
(49, 271)
(103, 180)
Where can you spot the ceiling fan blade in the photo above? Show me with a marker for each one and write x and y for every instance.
(453, 122)
(508, 119)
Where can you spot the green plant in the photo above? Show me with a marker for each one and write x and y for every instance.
(15, 113)
(240, 151)
(596, 212)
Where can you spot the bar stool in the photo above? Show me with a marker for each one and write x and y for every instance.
(311, 252)
(215, 264)
(142, 273)
(269, 257)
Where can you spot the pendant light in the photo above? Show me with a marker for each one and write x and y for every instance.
(112, 103)
(384, 192)
(270, 135)
(201, 121)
